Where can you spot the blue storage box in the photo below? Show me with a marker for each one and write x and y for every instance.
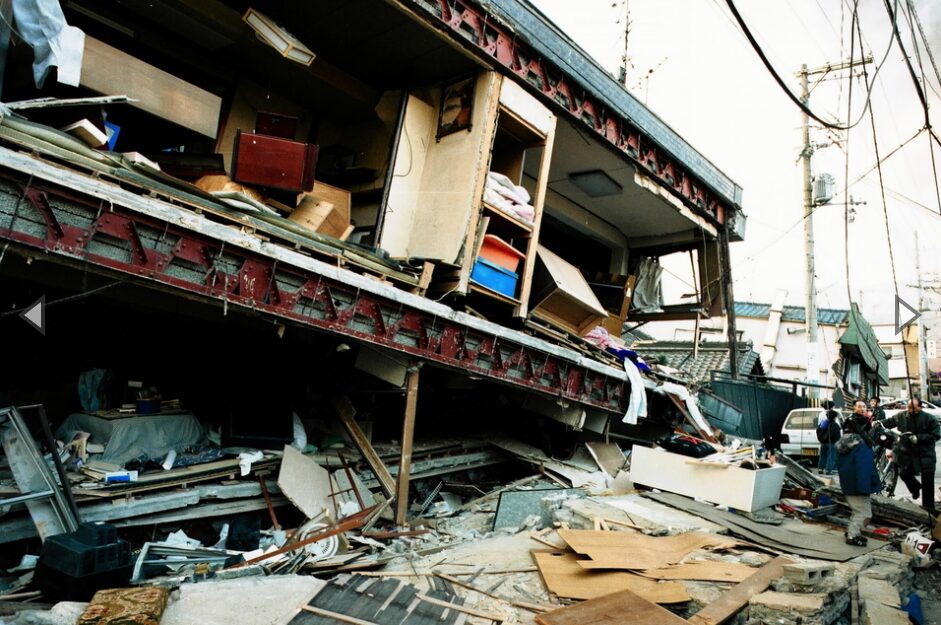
(495, 277)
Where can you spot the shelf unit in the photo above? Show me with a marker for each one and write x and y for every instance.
(523, 129)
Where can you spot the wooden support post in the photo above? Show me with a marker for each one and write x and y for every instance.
(345, 409)
(408, 431)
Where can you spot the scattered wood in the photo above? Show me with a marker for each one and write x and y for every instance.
(612, 609)
(735, 599)
(533, 607)
(627, 550)
(497, 618)
(347, 412)
(43, 103)
(703, 570)
(563, 576)
(336, 616)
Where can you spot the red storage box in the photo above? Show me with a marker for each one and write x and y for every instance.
(274, 162)
(501, 253)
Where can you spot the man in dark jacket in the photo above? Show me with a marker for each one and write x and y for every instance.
(857, 468)
(914, 451)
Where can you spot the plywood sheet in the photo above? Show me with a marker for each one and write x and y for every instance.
(453, 179)
(304, 482)
(110, 71)
(626, 550)
(703, 571)
(563, 576)
(735, 599)
(614, 609)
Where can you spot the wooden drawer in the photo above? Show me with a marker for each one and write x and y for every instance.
(274, 162)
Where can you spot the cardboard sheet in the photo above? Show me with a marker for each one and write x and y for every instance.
(626, 550)
(563, 576)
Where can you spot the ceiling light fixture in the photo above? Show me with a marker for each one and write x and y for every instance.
(595, 183)
(278, 38)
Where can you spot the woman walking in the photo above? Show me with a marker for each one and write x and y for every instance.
(828, 433)
(857, 468)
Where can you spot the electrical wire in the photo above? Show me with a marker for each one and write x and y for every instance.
(854, 26)
(777, 77)
(924, 39)
(888, 235)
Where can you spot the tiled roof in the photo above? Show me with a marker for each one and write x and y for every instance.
(634, 336)
(825, 316)
(713, 356)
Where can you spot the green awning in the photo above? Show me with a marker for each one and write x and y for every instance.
(859, 335)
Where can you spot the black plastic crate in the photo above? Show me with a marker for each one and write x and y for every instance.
(73, 566)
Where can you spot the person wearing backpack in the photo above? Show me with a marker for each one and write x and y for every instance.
(828, 433)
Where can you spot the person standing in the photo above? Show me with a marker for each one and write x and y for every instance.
(915, 452)
(878, 414)
(828, 433)
(857, 469)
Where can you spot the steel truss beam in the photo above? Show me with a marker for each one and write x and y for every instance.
(69, 225)
(467, 23)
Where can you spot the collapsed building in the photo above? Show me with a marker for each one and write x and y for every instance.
(340, 266)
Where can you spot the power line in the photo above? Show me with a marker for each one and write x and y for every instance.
(780, 81)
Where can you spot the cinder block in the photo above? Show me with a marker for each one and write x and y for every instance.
(808, 573)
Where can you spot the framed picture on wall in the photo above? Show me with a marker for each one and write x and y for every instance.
(457, 107)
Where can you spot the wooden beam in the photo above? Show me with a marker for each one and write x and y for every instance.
(345, 409)
(735, 599)
(408, 432)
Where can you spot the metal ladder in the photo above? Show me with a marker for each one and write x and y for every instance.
(50, 504)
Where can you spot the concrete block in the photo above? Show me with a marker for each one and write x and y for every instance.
(878, 591)
(878, 614)
(808, 573)
(784, 608)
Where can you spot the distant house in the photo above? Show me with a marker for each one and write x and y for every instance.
(697, 365)
(848, 353)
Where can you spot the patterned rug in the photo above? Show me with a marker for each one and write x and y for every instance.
(126, 606)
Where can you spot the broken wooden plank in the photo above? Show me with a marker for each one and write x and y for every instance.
(344, 408)
(497, 618)
(533, 607)
(735, 599)
(337, 616)
(612, 609)
(563, 576)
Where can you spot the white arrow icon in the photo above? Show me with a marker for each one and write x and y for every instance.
(899, 303)
(35, 315)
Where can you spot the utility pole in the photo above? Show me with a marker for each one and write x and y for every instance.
(810, 288)
(807, 150)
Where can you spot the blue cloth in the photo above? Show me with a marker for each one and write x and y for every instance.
(857, 469)
(88, 385)
(827, 459)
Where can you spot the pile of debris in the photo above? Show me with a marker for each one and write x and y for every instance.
(687, 531)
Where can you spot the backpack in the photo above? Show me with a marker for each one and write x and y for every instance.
(829, 432)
